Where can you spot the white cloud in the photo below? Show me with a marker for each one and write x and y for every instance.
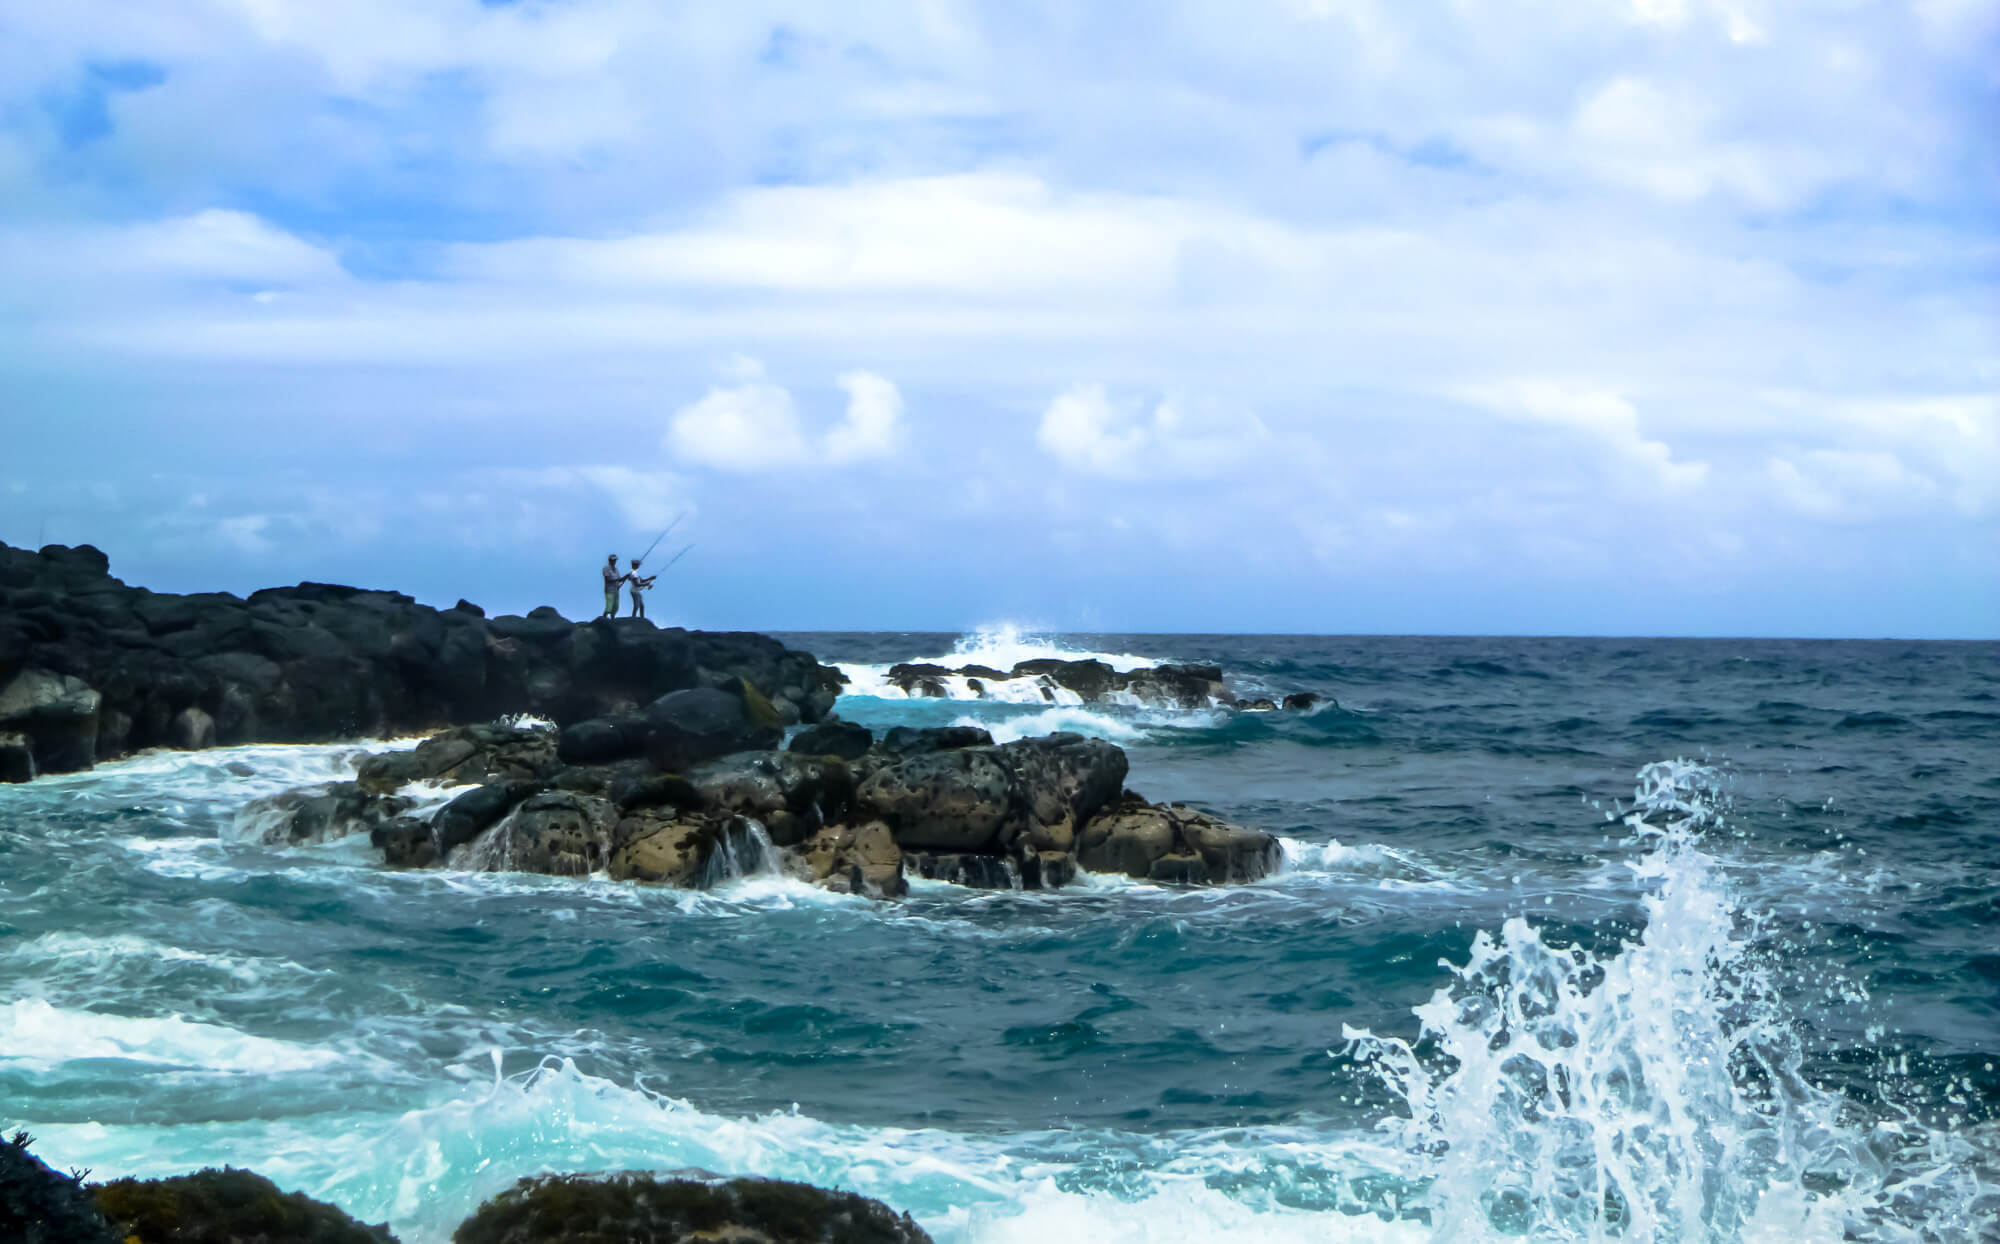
(873, 425)
(1087, 431)
(754, 425)
(1604, 417)
(1849, 486)
(747, 427)
(1881, 454)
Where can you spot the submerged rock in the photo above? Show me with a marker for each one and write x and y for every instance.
(632, 1206)
(227, 1206)
(312, 814)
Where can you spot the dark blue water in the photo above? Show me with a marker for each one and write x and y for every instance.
(1814, 893)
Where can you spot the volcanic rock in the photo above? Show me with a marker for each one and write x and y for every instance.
(1175, 843)
(862, 859)
(791, 795)
(559, 833)
(311, 814)
(91, 668)
(845, 739)
(685, 728)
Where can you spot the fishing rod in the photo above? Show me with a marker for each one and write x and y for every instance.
(650, 579)
(663, 535)
(671, 560)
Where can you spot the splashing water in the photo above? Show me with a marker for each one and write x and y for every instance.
(1654, 1093)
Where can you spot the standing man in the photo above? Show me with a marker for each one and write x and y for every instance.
(611, 581)
(639, 584)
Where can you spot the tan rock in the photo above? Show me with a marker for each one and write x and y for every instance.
(861, 859)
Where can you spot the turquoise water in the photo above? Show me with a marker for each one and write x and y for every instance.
(1577, 939)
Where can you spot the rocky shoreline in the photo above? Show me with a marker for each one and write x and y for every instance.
(39, 1205)
(656, 756)
(92, 669)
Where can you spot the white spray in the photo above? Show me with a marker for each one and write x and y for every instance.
(1650, 1094)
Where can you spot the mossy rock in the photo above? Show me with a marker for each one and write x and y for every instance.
(39, 1205)
(758, 707)
(623, 1206)
(228, 1206)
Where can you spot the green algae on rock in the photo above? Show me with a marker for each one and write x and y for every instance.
(227, 1206)
(617, 1207)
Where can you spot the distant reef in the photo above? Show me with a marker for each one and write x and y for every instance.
(92, 668)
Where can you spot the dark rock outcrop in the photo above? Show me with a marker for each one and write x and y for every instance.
(911, 740)
(627, 1205)
(91, 668)
(791, 795)
(39, 1205)
(686, 728)
(17, 757)
(465, 755)
(990, 815)
(845, 739)
(226, 1206)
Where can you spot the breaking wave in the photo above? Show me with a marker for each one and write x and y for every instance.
(1654, 1092)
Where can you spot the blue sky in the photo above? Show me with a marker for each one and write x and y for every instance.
(1571, 316)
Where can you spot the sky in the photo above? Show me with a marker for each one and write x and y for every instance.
(1625, 317)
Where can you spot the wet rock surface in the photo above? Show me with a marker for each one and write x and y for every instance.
(91, 668)
(632, 1206)
(944, 804)
(39, 1205)
(1177, 844)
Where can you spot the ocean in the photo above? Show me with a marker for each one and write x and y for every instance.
(1577, 939)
